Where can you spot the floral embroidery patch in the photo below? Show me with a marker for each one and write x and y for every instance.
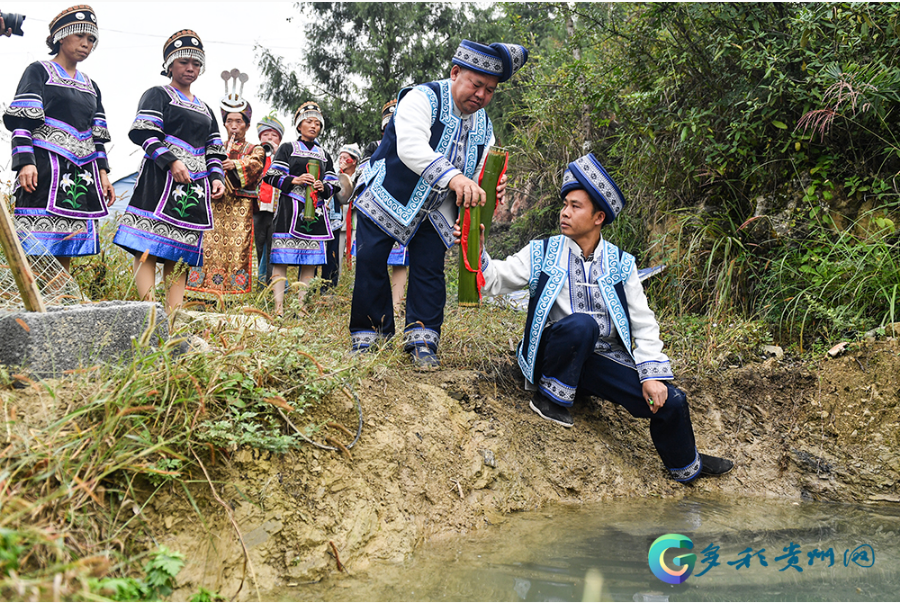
(75, 187)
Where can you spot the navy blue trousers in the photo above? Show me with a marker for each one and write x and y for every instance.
(372, 311)
(331, 271)
(566, 363)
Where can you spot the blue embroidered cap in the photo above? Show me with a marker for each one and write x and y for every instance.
(587, 174)
(499, 60)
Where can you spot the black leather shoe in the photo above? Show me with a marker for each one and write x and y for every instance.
(713, 465)
(551, 411)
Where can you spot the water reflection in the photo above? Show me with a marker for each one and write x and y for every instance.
(599, 552)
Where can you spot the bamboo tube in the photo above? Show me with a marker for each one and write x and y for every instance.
(469, 291)
(18, 263)
(309, 209)
(494, 168)
(470, 249)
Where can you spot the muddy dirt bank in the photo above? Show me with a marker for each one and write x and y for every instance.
(449, 452)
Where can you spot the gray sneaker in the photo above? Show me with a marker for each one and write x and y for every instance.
(551, 411)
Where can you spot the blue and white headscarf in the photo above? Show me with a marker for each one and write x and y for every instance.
(587, 174)
(499, 60)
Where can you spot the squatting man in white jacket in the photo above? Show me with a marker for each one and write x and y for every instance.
(589, 328)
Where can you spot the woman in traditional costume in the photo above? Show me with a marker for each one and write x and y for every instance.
(179, 174)
(296, 240)
(228, 250)
(58, 131)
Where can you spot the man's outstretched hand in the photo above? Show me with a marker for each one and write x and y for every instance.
(457, 232)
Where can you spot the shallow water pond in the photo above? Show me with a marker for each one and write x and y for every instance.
(747, 550)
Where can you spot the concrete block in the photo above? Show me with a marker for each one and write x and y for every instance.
(70, 337)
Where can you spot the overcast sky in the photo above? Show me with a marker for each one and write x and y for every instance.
(128, 58)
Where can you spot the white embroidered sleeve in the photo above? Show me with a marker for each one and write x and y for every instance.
(651, 362)
(412, 121)
(506, 276)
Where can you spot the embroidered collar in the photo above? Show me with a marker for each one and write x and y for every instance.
(576, 250)
(181, 95)
(79, 77)
(57, 76)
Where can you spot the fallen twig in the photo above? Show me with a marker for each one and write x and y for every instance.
(337, 558)
(340, 427)
(316, 362)
(340, 446)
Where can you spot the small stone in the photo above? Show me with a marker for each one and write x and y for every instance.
(775, 350)
(489, 458)
(838, 349)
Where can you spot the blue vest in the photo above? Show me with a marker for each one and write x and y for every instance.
(549, 270)
(397, 198)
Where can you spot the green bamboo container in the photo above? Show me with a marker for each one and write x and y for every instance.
(494, 166)
(468, 285)
(309, 208)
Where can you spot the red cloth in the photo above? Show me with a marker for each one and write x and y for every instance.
(265, 190)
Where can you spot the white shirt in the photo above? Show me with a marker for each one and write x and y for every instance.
(412, 122)
(514, 273)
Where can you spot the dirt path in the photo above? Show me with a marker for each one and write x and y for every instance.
(449, 452)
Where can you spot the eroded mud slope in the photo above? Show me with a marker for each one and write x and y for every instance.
(448, 452)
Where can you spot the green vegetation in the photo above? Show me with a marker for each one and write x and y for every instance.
(748, 138)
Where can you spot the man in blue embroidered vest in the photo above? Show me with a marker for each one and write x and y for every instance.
(589, 328)
(426, 166)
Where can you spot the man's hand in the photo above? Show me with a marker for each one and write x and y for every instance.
(655, 393)
(180, 173)
(468, 194)
(4, 31)
(501, 190)
(218, 189)
(108, 190)
(228, 164)
(457, 232)
(28, 178)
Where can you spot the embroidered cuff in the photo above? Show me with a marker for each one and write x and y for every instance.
(653, 369)
(102, 160)
(147, 122)
(363, 340)
(689, 472)
(557, 391)
(415, 335)
(26, 110)
(436, 171)
(158, 153)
